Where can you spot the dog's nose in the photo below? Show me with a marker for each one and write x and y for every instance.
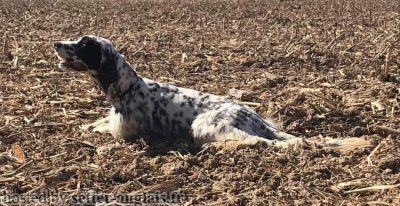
(57, 45)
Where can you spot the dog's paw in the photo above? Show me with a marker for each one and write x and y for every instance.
(86, 127)
(103, 128)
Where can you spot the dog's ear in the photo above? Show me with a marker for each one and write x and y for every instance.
(90, 52)
(108, 71)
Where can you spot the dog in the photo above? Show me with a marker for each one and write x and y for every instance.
(145, 108)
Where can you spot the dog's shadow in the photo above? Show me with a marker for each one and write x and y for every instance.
(157, 146)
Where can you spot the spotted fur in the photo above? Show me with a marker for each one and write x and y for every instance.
(146, 108)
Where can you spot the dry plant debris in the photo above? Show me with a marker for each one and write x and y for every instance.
(319, 67)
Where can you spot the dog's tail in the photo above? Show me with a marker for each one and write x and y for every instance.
(344, 145)
(281, 139)
(340, 145)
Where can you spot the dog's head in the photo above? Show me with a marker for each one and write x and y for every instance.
(87, 53)
(91, 54)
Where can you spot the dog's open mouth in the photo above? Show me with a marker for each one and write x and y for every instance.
(76, 65)
(71, 64)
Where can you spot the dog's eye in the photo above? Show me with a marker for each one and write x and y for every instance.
(82, 45)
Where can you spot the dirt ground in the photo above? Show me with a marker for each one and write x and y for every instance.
(316, 67)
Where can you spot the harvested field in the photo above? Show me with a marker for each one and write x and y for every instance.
(317, 67)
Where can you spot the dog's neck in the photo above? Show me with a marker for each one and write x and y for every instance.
(117, 78)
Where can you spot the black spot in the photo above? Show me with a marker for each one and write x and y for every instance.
(205, 98)
(154, 87)
(163, 112)
(195, 113)
(152, 98)
(181, 114)
(190, 103)
(175, 90)
(219, 116)
(164, 90)
(117, 111)
(164, 101)
(137, 87)
(156, 105)
(183, 104)
(188, 121)
(142, 107)
(175, 122)
(222, 129)
(141, 94)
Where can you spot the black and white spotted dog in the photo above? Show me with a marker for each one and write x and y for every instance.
(145, 108)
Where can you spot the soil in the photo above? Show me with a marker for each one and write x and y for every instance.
(316, 67)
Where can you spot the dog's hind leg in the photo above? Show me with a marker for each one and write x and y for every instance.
(217, 129)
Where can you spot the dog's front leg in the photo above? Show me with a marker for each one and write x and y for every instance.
(101, 126)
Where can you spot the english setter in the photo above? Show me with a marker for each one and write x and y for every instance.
(146, 108)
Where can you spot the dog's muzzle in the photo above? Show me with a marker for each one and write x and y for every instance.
(67, 62)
